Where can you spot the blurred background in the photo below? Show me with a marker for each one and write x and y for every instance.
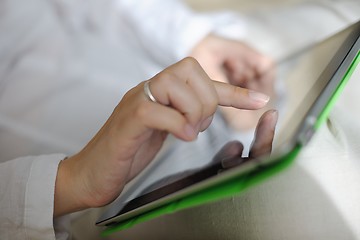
(280, 27)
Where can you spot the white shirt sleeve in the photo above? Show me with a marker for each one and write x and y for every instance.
(27, 187)
(168, 29)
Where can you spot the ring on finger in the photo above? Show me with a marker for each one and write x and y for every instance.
(148, 93)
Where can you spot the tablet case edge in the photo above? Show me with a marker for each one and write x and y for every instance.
(237, 184)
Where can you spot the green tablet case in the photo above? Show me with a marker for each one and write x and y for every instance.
(236, 184)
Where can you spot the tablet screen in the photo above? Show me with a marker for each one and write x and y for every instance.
(301, 78)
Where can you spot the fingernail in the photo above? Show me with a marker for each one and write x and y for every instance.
(205, 124)
(189, 131)
(260, 97)
(275, 118)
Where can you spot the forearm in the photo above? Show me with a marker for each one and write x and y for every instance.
(66, 199)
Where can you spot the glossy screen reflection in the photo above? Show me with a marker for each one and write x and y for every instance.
(300, 77)
(305, 76)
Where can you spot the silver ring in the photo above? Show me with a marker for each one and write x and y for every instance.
(148, 92)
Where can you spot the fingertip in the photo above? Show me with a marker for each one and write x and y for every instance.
(274, 117)
(261, 98)
(241, 98)
(267, 123)
(206, 123)
(190, 133)
(271, 115)
(275, 113)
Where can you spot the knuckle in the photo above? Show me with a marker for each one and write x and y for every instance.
(190, 63)
(165, 78)
(235, 91)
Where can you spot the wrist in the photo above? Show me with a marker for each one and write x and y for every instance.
(67, 195)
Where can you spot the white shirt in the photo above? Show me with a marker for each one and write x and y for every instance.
(64, 66)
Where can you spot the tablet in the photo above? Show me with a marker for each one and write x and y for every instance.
(312, 79)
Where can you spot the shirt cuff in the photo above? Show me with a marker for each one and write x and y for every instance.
(39, 197)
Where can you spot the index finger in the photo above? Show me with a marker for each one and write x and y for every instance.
(237, 97)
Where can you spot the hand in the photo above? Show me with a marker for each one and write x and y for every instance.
(236, 63)
(186, 102)
(231, 154)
